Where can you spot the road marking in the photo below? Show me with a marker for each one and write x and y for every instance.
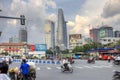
(97, 66)
(38, 68)
(107, 66)
(48, 68)
(88, 67)
(58, 67)
(78, 67)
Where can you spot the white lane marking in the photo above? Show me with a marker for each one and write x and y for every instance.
(58, 67)
(78, 67)
(107, 66)
(38, 68)
(98, 66)
(88, 67)
(48, 68)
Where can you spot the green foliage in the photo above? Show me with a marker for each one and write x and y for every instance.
(5, 53)
(86, 47)
(118, 44)
(65, 51)
(49, 51)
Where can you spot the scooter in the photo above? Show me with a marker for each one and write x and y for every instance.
(91, 61)
(116, 75)
(116, 62)
(67, 67)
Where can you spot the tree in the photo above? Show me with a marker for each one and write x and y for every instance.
(118, 44)
(4, 53)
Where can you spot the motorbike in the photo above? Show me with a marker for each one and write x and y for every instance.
(91, 61)
(116, 62)
(67, 67)
(116, 75)
(71, 61)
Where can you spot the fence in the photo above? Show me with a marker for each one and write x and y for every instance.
(38, 61)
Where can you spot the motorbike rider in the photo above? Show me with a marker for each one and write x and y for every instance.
(117, 59)
(65, 63)
(91, 59)
(24, 69)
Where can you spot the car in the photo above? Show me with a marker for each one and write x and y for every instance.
(8, 59)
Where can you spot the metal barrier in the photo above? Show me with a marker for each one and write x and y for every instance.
(38, 61)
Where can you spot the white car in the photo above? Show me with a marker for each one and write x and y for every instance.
(8, 59)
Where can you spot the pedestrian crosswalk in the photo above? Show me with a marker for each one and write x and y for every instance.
(76, 67)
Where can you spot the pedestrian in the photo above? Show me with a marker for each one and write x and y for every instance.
(24, 68)
(109, 59)
(3, 71)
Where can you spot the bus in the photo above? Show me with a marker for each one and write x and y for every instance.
(111, 54)
(78, 55)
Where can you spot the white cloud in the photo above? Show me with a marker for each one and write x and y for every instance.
(12, 22)
(70, 23)
(111, 8)
(35, 14)
(52, 17)
(80, 25)
(90, 16)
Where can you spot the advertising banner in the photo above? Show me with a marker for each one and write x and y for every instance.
(32, 47)
(102, 33)
(40, 47)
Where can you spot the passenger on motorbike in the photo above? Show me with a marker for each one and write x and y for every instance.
(117, 60)
(91, 59)
(66, 63)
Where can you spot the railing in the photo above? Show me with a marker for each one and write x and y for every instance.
(38, 61)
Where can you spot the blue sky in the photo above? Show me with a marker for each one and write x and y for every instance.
(80, 14)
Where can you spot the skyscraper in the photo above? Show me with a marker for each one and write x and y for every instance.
(116, 33)
(94, 34)
(23, 35)
(49, 34)
(61, 31)
(105, 31)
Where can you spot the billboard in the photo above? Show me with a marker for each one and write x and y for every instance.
(40, 47)
(102, 33)
(32, 47)
(74, 37)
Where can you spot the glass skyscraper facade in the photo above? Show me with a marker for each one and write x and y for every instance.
(61, 31)
(23, 35)
(49, 34)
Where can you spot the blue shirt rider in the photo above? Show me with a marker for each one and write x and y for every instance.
(24, 69)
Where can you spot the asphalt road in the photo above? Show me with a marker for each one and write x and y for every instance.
(101, 70)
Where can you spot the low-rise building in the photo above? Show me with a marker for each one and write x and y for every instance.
(13, 48)
(108, 40)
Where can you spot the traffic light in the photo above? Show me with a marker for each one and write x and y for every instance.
(22, 19)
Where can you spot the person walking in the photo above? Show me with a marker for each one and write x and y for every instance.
(109, 59)
(24, 68)
(3, 71)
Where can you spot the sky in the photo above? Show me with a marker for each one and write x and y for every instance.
(81, 16)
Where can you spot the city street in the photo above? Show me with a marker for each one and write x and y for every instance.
(101, 70)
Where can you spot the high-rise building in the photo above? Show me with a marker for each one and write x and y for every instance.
(116, 33)
(14, 39)
(49, 34)
(61, 31)
(94, 34)
(97, 33)
(23, 35)
(105, 31)
(75, 40)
